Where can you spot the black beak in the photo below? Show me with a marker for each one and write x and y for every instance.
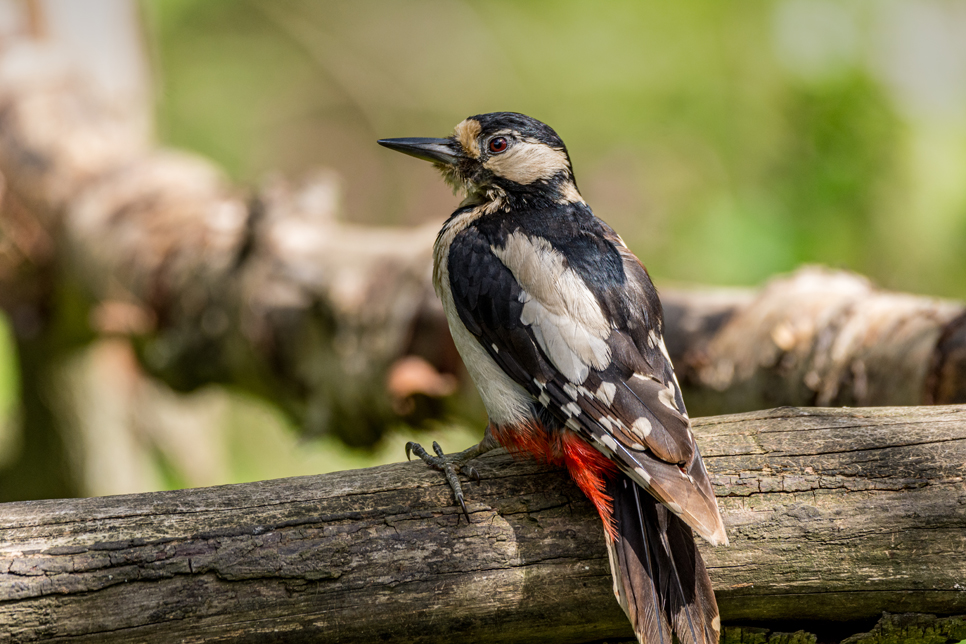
(436, 150)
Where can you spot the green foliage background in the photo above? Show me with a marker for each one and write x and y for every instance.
(722, 148)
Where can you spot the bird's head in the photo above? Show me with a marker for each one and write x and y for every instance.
(499, 156)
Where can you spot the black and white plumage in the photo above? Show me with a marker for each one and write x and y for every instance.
(560, 328)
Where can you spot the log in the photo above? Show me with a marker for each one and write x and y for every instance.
(834, 515)
(817, 337)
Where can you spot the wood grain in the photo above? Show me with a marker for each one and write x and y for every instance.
(832, 515)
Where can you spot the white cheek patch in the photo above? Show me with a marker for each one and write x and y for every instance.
(569, 194)
(562, 312)
(527, 161)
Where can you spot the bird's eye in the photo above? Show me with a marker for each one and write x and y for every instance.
(498, 145)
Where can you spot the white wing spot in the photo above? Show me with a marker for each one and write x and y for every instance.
(661, 344)
(570, 390)
(642, 427)
(543, 398)
(652, 338)
(643, 474)
(666, 396)
(572, 409)
(606, 424)
(609, 442)
(606, 392)
(584, 391)
(677, 387)
(637, 446)
(496, 349)
(573, 424)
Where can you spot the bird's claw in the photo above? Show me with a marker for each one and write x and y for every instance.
(449, 466)
(471, 473)
(410, 448)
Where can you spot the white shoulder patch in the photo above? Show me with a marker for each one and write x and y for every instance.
(562, 312)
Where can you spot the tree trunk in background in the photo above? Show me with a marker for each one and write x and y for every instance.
(832, 515)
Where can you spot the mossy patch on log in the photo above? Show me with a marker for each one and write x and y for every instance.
(752, 635)
(913, 628)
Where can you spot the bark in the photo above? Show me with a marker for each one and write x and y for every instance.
(833, 515)
(816, 337)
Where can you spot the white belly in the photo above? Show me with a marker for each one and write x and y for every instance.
(506, 402)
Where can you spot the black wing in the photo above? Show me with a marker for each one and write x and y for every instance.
(575, 320)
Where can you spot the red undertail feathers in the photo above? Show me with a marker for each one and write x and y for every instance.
(588, 467)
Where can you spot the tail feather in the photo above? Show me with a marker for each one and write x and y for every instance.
(659, 576)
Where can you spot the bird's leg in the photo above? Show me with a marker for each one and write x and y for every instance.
(452, 464)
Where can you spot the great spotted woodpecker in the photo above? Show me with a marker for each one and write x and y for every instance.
(561, 330)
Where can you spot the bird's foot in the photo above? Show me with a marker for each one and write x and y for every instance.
(452, 465)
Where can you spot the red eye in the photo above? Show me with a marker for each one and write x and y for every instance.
(498, 145)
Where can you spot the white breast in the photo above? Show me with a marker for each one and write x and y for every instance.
(506, 402)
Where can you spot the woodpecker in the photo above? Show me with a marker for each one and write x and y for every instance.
(560, 327)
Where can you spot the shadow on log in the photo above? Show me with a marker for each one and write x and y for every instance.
(833, 515)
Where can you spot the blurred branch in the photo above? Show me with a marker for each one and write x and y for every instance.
(832, 514)
(815, 337)
(270, 293)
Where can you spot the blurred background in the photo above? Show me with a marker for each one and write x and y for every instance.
(726, 142)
